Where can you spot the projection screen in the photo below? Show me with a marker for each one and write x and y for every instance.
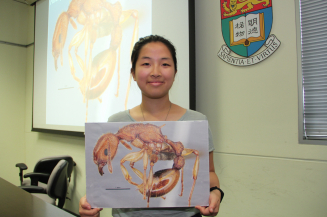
(82, 58)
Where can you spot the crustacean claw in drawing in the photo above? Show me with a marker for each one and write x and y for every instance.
(154, 146)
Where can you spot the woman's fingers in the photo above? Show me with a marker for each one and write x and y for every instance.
(85, 209)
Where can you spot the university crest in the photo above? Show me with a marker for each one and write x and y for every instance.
(246, 26)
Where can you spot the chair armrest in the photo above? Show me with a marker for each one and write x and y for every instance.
(35, 177)
(21, 166)
(32, 175)
(33, 189)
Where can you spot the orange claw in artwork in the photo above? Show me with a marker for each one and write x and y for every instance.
(154, 146)
(99, 18)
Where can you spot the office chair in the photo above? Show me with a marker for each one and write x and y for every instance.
(56, 188)
(42, 170)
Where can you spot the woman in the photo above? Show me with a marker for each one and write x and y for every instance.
(154, 66)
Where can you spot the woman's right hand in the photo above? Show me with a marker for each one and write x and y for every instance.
(86, 210)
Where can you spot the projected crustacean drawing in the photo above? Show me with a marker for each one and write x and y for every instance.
(99, 18)
(154, 147)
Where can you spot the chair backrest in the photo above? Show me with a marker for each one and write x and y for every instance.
(46, 165)
(58, 183)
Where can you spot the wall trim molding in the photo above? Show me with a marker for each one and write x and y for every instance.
(15, 44)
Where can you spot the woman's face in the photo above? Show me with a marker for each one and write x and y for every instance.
(154, 70)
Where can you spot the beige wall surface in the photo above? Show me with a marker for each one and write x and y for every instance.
(14, 22)
(252, 112)
(253, 115)
(12, 88)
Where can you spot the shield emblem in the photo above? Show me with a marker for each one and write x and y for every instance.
(246, 24)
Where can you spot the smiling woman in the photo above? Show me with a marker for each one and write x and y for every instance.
(154, 69)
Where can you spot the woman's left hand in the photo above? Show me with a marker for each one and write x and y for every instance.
(214, 203)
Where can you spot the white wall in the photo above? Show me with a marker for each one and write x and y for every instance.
(253, 113)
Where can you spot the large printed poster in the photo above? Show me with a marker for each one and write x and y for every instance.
(147, 164)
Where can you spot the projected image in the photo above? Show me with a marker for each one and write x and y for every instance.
(88, 63)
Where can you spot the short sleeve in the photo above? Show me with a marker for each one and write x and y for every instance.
(122, 116)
